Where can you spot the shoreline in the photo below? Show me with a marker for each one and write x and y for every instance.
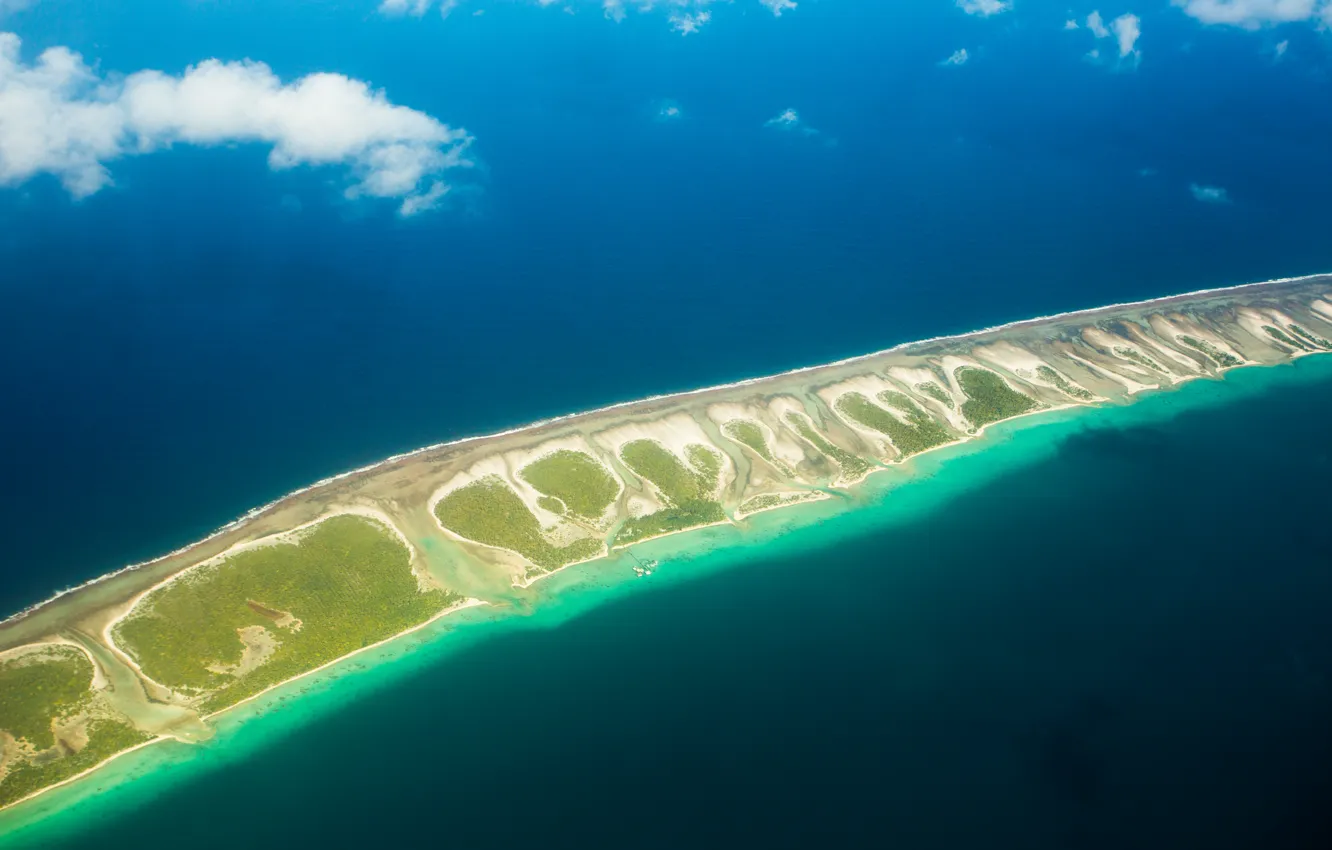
(256, 512)
(461, 606)
(1207, 333)
(609, 555)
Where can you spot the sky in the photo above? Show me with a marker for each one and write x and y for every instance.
(247, 245)
(67, 114)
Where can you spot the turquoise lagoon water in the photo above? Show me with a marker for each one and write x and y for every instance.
(795, 569)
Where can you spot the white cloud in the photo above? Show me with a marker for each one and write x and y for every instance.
(959, 57)
(984, 8)
(667, 110)
(415, 8)
(684, 16)
(1252, 14)
(57, 116)
(1097, 25)
(789, 121)
(7, 6)
(1281, 48)
(1070, 24)
(685, 23)
(1127, 29)
(427, 200)
(1209, 194)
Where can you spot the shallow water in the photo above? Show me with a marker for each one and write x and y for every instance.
(1092, 628)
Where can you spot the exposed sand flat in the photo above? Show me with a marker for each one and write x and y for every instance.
(1130, 385)
(828, 426)
(1008, 356)
(786, 445)
(1111, 349)
(1028, 366)
(400, 493)
(1175, 327)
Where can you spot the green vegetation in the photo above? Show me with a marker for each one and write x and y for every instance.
(550, 503)
(1211, 352)
(1286, 339)
(105, 739)
(1310, 338)
(687, 491)
(1138, 357)
(679, 484)
(489, 512)
(750, 435)
(918, 433)
(36, 689)
(39, 687)
(707, 462)
(575, 479)
(674, 518)
(989, 397)
(1065, 386)
(772, 500)
(852, 466)
(936, 392)
(348, 580)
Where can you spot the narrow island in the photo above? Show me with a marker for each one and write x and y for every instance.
(154, 651)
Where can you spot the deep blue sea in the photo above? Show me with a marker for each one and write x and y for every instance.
(1121, 641)
(207, 334)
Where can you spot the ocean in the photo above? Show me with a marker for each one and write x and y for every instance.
(219, 334)
(1092, 628)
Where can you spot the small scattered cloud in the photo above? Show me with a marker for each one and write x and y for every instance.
(959, 57)
(1125, 30)
(425, 201)
(1253, 14)
(1209, 194)
(59, 116)
(414, 8)
(8, 6)
(684, 16)
(1070, 24)
(789, 121)
(1097, 25)
(667, 110)
(984, 8)
(1279, 49)
(687, 24)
